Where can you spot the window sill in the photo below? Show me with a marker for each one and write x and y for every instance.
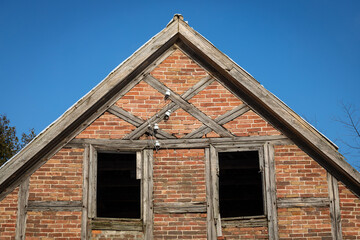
(119, 224)
(248, 221)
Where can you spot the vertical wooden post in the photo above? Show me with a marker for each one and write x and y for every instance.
(92, 182)
(211, 231)
(22, 210)
(335, 213)
(147, 193)
(270, 190)
(84, 221)
(214, 164)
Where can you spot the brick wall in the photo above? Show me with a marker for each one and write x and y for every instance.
(59, 179)
(179, 176)
(235, 232)
(61, 225)
(350, 213)
(297, 175)
(8, 214)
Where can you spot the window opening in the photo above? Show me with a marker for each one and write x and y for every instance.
(118, 190)
(240, 184)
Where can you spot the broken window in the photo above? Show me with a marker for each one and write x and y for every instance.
(240, 184)
(118, 190)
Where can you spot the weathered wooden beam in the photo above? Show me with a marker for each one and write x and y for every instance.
(116, 224)
(270, 190)
(92, 182)
(22, 210)
(191, 109)
(191, 207)
(132, 119)
(85, 194)
(199, 86)
(302, 202)
(211, 230)
(227, 117)
(335, 213)
(246, 222)
(135, 145)
(54, 206)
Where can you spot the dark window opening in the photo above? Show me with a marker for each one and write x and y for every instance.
(240, 184)
(118, 190)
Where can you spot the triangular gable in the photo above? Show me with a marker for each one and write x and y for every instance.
(137, 68)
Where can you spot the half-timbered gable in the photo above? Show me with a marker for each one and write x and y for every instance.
(179, 142)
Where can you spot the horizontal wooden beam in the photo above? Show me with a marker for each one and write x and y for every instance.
(135, 145)
(54, 206)
(116, 224)
(256, 221)
(302, 202)
(191, 207)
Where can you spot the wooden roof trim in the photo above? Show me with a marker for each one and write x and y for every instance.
(270, 102)
(84, 104)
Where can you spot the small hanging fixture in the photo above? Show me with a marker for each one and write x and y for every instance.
(167, 115)
(156, 127)
(167, 94)
(157, 145)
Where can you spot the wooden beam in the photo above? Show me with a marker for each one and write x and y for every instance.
(132, 119)
(227, 117)
(302, 202)
(211, 230)
(190, 207)
(92, 182)
(85, 230)
(191, 109)
(199, 86)
(54, 206)
(335, 213)
(134, 145)
(116, 224)
(22, 210)
(270, 191)
(214, 165)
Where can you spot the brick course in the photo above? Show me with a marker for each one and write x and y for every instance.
(59, 179)
(8, 214)
(350, 213)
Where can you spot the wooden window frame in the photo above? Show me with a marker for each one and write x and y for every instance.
(266, 165)
(144, 172)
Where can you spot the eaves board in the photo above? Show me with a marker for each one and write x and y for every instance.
(87, 109)
(270, 107)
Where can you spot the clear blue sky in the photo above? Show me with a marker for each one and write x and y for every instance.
(306, 52)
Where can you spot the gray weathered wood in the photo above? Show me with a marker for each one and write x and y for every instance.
(245, 222)
(134, 145)
(85, 190)
(335, 213)
(116, 224)
(148, 194)
(54, 206)
(199, 86)
(191, 109)
(22, 210)
(302, 202)
(211, 230)
(270, 190)
(190, 207)
(214, 165)
(227, 117)
(130, 118)
(92, 182)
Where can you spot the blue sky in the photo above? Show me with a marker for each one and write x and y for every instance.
(305, 52)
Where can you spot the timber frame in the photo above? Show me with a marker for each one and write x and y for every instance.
(177, 35)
